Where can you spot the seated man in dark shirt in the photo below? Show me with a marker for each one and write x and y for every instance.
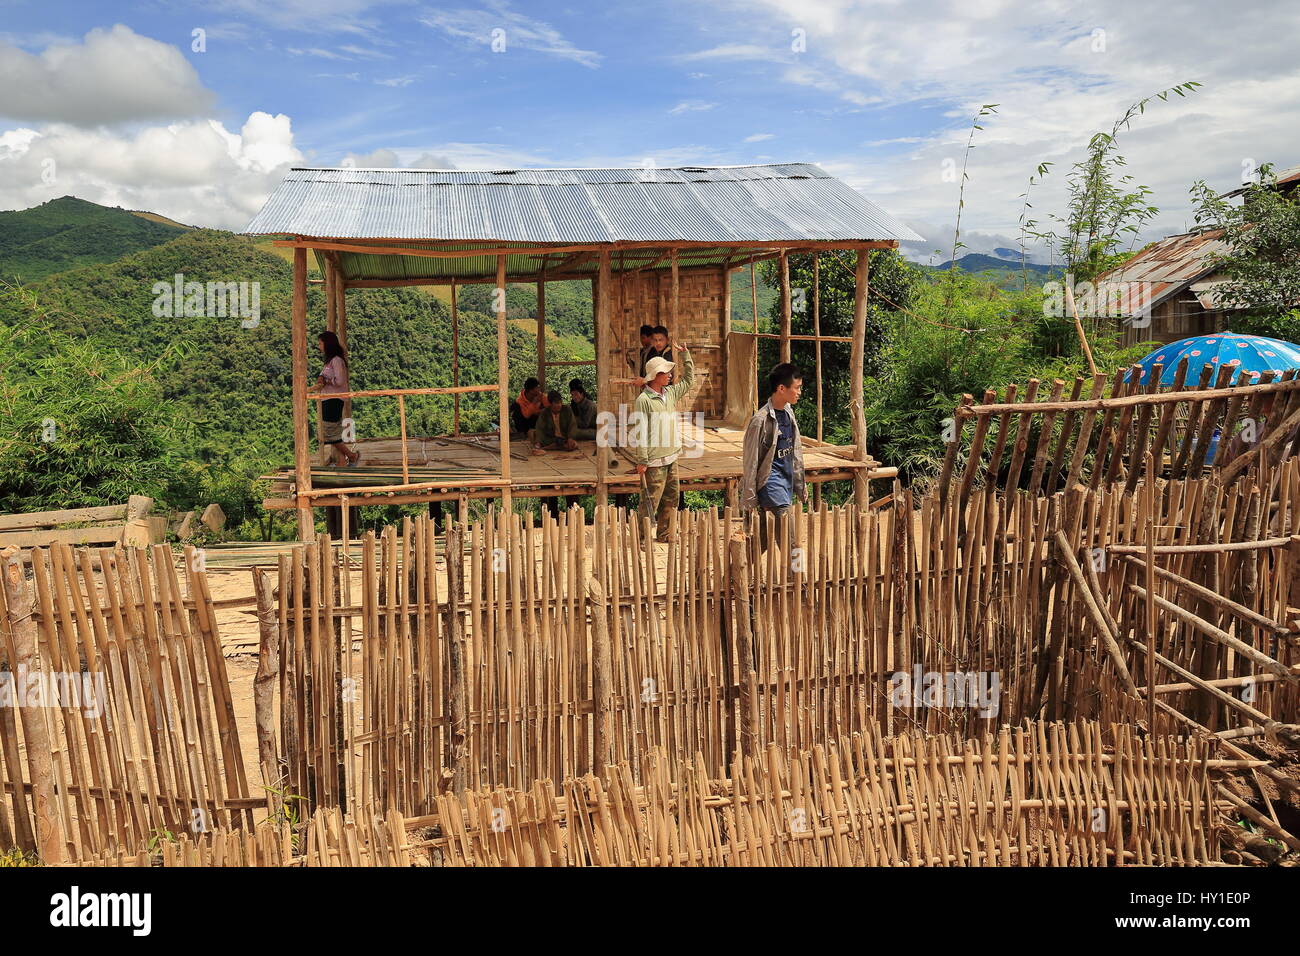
(555, 425)
(584, 412)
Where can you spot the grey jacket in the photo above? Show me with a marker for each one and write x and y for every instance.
(759, 450)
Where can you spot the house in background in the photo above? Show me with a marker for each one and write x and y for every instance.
(1167, 291)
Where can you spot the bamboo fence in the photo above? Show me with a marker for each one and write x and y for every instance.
(153, 749)
(551, 650)
(1043, 794)
(1048, 443)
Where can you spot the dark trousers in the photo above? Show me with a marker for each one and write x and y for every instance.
(520, 422)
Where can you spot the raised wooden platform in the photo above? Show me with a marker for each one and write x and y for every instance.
(476, 459)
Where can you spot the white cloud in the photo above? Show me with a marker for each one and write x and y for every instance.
(398, 81)
(517, 30)
(758, 137)
(195, 171)
(314, 16)
(1060, 70)
(692, 106)
(735, 51)
(111, 76)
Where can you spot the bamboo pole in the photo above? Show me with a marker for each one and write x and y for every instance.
(503, 384)
(604, 442)
(455, 361)
(541, 332)
(268, 672)
(784, 263)
(817, 333)
(753, 304)
(857, 383)
(458, 749)
(301, 441)
(1078, 327)
(601, 653)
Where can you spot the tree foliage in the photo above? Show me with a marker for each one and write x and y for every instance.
(1261, 263)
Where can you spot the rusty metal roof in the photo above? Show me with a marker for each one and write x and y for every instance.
(1162, 269)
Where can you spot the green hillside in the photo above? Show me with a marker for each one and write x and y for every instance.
(69, 232)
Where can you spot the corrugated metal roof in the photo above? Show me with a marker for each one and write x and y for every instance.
(1162, 269)
(723, 204)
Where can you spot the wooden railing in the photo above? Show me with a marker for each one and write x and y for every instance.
(400, 394)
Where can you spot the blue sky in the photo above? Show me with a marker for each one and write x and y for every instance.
(113, 102)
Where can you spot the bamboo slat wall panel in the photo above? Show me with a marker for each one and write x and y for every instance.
(555, 649)
(646, 299)
(153, 747)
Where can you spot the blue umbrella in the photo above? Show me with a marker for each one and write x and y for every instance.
(1249, 354)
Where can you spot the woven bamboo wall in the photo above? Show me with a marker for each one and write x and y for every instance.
(647, 299)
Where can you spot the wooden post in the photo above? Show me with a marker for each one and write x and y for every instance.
(726, 300)
(541, 332)
(455, 361)
(341, 320)
(503, 384)
(27, 659)
(459, 750)
(601, 693)
(817, 331)
(301, 441)
(331, 300)
(603, 341)
(753, 301)
(785, 306)
(857, 385)
(676, 333)
(1149, 495)
(743, 634)
(268, 674)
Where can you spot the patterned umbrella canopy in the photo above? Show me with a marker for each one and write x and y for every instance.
(1252, 354)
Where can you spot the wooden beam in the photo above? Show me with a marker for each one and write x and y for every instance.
(301, 441)
(503, 381)
(603, 342)
(857, 383)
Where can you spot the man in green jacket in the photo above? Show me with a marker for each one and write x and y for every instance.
(658, 437)
(555, 425)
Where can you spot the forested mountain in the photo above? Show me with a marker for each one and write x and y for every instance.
(69, 232)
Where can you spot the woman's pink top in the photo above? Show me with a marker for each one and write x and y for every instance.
(335, 374)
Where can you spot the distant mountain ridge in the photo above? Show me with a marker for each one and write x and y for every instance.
(980, 262)
(69, 232)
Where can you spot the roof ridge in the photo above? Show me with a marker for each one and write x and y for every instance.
(542, 169)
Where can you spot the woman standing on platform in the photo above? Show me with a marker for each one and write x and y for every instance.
(333, 380)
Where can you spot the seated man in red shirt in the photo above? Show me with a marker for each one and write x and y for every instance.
(525, 409)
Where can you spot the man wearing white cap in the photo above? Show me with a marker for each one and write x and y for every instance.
(658, 434)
